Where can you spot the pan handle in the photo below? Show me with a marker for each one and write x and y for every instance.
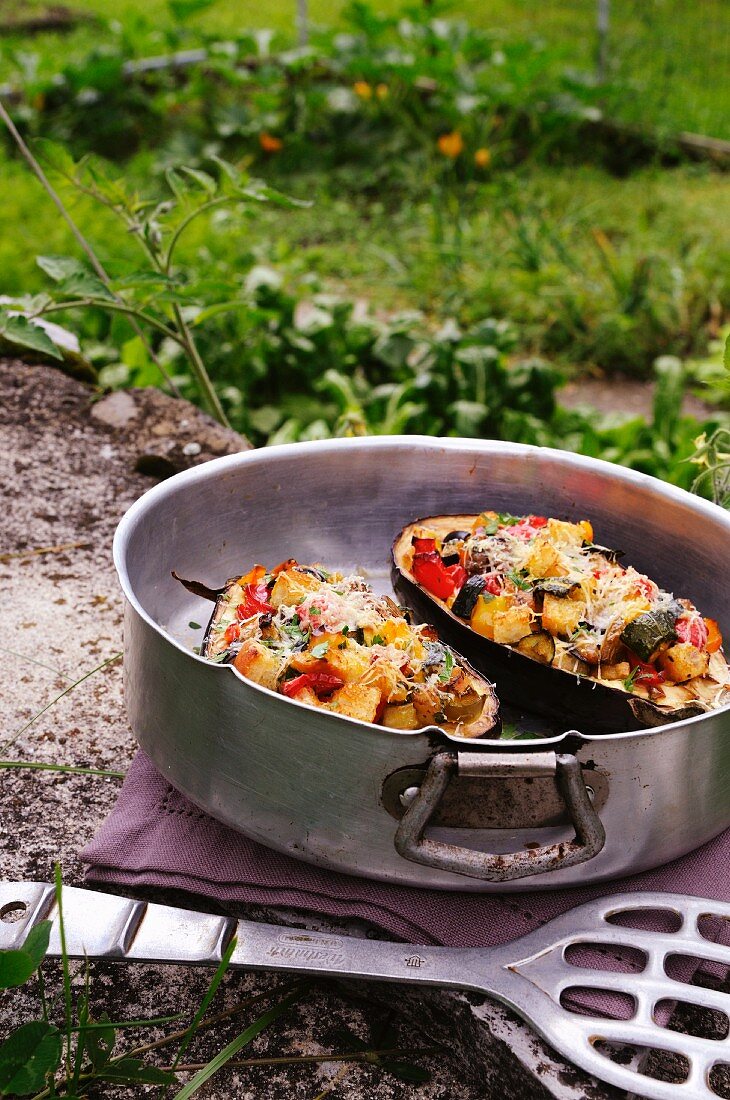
(590, 835)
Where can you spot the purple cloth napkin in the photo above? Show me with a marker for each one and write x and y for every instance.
(155, 837)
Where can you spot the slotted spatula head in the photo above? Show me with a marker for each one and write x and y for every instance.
(608, 974)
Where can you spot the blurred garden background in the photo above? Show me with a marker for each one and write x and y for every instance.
(333, 218)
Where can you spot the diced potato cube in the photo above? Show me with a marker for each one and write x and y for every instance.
(403, 717)
(485, 610)
(257, 663)
(561, 616)
(619, 671)
(683, 662)
(510, 626)
(356, 701)
(292, 586)
(349, 663)
(545, 559)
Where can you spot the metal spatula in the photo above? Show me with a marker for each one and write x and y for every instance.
(531, 975)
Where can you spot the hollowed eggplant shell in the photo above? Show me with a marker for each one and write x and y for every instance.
(489, 723)
(572, 700)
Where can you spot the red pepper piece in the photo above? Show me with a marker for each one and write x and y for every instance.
(321, 683)
(424, 546)
(231, 634)
(431, 573)
(537, 521)
(647, 588)
(647, 675)
(493, 584)
(255, 602)
(694, 630)
(458, 575)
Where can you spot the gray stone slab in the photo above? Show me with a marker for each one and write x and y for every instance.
(69, 467)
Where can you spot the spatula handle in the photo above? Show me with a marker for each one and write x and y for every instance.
(99, 925)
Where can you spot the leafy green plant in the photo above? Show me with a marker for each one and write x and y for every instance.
(153, 297)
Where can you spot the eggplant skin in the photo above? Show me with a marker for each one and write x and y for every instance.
(574, 701)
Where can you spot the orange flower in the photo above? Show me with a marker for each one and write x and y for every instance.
(381, 91)
(363, 89)
(451, 145)
(269, 143)
(482, 158)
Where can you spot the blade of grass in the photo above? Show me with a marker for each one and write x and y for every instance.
(205, 1003)
(44, 550)
(32, 661)
(247, 1036)
(17, 734)
(66, 768)
(241, 1006)
(306, 1059)
(64, 962)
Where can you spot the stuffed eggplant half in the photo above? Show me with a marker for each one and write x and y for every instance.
(559, 622)
(328, 640)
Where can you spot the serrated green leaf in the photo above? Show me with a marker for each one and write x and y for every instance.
(134, 1070)
(74, 277)
(54, 155)
(203, 180)
(23, 333)
(261, 192)
(27, 1057)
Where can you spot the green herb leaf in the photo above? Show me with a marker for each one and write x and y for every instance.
(194, 626)
(378, 639)
(27, 1057)
(630, 680)
(320, 650)
(445, 674)
(517, 576)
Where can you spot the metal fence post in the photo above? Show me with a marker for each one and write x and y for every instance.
(302, 22)
(603, 13)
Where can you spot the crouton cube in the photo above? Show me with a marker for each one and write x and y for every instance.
(292, 586)
(683, 662)
(545, 559)
(355, 701)
(257, 663)
(561, 616)
(512, 625)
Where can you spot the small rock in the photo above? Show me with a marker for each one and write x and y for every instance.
(116, 409)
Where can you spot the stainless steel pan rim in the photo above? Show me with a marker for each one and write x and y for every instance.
(289, 451)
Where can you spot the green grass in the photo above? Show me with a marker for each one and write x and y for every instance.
(671, 58)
